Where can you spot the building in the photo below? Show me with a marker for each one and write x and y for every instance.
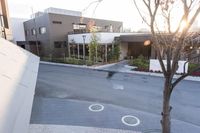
(131, 44)
(5, 30)
(18, 32)
(46, 33)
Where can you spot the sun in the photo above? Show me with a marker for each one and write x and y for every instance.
(183, 25)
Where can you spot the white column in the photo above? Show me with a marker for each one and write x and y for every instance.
(68, 49)
(83, 51)
(78, 51)
(96, 53)
(106, 52)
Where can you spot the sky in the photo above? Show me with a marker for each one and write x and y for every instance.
(120, 10)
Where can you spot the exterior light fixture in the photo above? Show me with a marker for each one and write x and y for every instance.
(191, 47)
(147, 42)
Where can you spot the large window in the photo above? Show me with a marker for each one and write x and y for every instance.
(79, 28)
(56, 22)
(42, 30)
(33, 31)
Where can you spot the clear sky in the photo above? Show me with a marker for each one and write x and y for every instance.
(122, 10)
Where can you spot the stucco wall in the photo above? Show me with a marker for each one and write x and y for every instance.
(155, 66)
(18, 74)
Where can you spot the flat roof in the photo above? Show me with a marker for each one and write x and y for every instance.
(140, 37)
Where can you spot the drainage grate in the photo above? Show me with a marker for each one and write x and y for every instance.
(130, 120)
(96, 107)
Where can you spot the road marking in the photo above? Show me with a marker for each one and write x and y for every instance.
(130, 120)
(96, 107)
(118, 87)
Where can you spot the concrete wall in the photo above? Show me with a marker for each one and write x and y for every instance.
(18, 74)
(18, 29)
(155, 66)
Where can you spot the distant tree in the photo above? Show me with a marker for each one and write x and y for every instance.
(115, 52)
(169, 42)
(93, 48)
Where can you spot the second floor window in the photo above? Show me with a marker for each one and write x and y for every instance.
(42, 30)
(33, 31)
(26, 32)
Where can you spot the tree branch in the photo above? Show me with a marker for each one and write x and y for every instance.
(183, 76)
(140, 13)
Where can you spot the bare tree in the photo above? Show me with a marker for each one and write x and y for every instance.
(169, 43)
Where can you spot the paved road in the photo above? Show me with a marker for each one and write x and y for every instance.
(63, 95)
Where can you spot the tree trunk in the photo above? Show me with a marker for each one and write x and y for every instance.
(166, 124)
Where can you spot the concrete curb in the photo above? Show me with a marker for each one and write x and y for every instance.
(189, 78)
(79, 66)
(45, 128)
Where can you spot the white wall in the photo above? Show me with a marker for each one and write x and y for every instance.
(18, 29)
(155, 66)
(18, 74)
(104, 37)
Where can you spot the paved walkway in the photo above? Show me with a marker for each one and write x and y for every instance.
(42, 128)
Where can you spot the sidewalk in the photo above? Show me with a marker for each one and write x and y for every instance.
(44, 128)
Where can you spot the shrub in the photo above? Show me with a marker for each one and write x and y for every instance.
(140, 62)
(192, 66)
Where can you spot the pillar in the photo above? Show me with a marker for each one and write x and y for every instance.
(106, 53)
(69, 54)
(78, 52)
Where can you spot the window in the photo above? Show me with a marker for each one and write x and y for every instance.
(26, 32)
(33, 31)
(58, 44)
(56, 22)
(79, 26)
(42, 30)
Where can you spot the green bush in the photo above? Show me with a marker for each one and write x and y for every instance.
(45, 59)
(74, 61)
(58, 60)
(192, 66)
(68, 61)
(140, 62)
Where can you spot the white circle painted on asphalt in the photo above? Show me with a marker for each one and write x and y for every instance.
(130, 120)
(96, 107)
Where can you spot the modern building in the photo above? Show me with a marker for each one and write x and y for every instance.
(18, 32)
(5, 30)
(46, 33)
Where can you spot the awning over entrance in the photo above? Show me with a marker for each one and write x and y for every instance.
(135, 38)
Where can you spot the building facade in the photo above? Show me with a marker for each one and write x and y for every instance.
(46, 34)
